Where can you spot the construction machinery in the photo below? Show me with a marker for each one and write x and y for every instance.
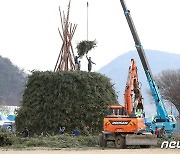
(124, 125)
(162, 118)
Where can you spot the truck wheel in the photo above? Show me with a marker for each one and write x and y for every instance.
(120, 142)
(145, 146)
(102, 141)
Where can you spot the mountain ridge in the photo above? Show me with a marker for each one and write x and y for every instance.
(12, 83)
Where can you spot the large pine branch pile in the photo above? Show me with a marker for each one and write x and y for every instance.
(69, 99)
(84, 47)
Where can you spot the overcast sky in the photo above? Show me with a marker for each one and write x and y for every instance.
(29, 29)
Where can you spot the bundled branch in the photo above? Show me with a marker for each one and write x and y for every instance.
(84, 47)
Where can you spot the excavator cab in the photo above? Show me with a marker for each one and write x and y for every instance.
(116, 111)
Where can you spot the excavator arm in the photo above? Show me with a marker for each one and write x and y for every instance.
(132, 86)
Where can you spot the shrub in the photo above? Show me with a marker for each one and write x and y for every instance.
(6, 137)
(58, 141)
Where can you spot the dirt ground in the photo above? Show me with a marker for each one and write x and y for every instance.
(94, 151)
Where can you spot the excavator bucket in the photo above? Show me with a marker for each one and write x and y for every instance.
(142, 139)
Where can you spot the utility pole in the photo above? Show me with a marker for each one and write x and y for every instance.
(87, 19)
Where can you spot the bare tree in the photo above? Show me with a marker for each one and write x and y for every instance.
(169, 86)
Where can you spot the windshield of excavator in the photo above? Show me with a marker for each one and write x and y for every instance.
(116, 110)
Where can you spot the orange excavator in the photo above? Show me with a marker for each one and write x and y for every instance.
(124, 125)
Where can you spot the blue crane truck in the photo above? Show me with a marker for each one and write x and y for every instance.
(162, 118)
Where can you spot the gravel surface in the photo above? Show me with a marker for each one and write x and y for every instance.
(94, 151)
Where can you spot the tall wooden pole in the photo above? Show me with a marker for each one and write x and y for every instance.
(65, 59)
(87, 19)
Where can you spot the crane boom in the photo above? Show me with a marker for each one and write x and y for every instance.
(161, 110)
(136, 38)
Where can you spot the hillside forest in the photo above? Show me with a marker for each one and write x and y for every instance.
(12, 83)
